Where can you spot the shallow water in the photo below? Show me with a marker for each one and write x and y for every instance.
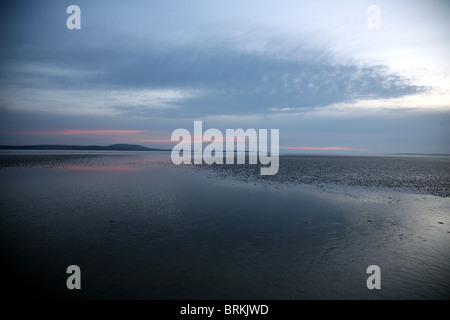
(141, 228)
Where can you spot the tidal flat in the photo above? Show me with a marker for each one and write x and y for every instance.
(140, 227)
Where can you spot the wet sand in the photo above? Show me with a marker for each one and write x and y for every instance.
(141, 228)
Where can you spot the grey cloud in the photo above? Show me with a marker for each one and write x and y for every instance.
(231, 82)
(103, 56)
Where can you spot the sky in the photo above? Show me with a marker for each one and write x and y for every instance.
(332, 76)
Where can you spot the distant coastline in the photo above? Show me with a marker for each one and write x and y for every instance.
(136, 147)
(113, 147)
(421, 154)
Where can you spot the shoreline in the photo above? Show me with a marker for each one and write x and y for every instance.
(422, 175)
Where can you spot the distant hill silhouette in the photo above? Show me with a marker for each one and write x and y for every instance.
(113, 147)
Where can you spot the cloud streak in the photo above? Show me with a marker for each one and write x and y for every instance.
(208, 84)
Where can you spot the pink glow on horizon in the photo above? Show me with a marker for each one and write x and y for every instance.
(157, 140)
(194, 139)
(224, 139)
(162, 139)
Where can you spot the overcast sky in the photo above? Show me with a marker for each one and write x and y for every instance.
(137, 70)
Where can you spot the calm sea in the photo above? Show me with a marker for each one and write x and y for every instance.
(141, 228)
